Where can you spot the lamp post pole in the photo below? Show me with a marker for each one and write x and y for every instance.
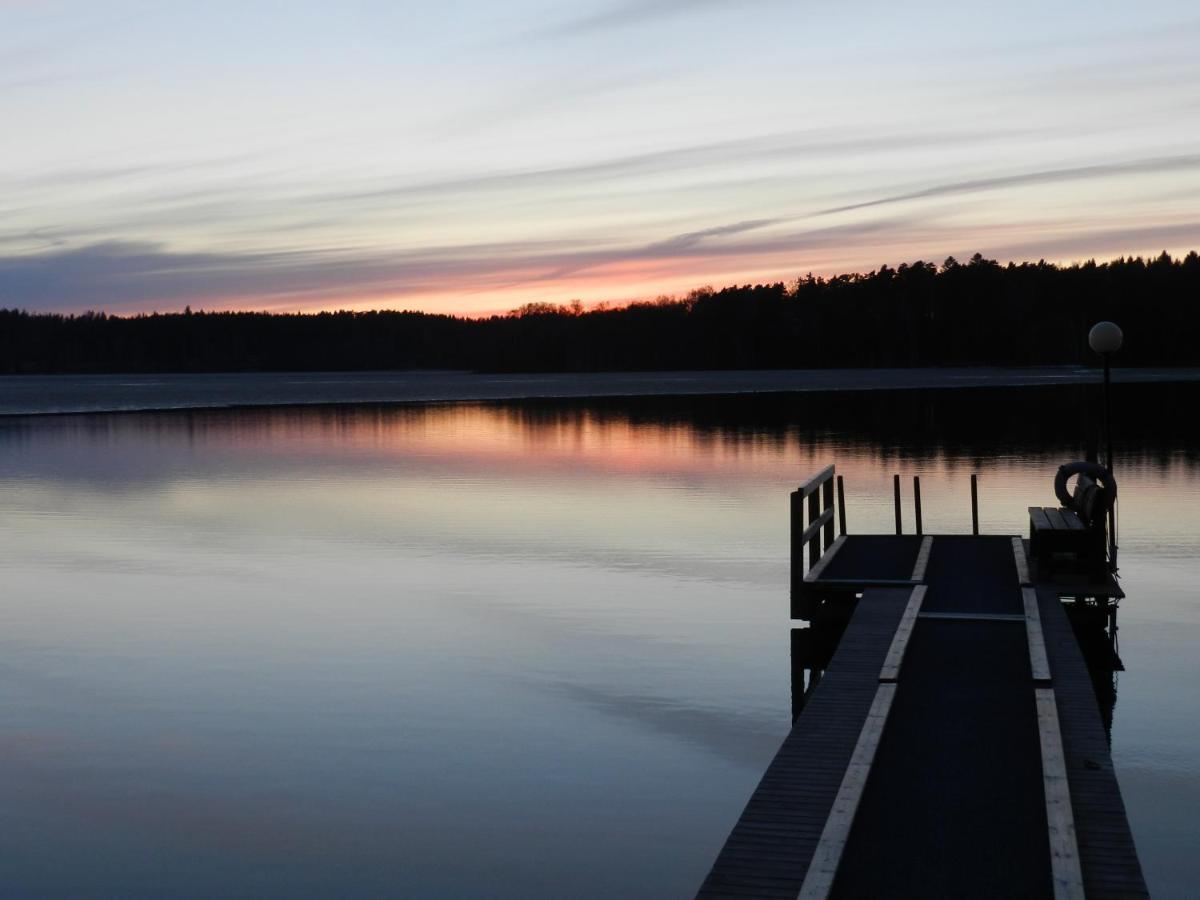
(1108, 454)
(1105, 338)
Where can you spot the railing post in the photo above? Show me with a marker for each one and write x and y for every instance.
(841, 499)
(797, 519)
(896, 491)
(811, 524)
(974, 504)
(917, 501)
(814, 543)
(827, 504)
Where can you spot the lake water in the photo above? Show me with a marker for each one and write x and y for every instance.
(526, 649)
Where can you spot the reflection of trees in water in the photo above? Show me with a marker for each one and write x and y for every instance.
(967, 428)
(974, 425)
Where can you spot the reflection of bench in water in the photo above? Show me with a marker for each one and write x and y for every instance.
(951, 744)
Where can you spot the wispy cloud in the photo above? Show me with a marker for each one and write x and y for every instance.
(1104, 242)
(1149, 166)
(634, 13)
(690, 240)
(741, 151)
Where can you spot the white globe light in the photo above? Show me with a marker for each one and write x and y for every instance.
(1105, 337)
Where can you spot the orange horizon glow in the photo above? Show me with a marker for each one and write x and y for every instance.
(616, 287)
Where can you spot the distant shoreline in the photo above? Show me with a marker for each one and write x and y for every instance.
(26, 395)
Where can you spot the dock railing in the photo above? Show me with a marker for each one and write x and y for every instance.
(813, 512)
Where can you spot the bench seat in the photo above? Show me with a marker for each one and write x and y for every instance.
(1060, 541)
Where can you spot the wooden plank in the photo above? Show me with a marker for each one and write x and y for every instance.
(1020, 560)
(1037, 516)
(770, 848)
(1107, 854)
(1065, 870)
(1038, 661)
(815, 572)
(918, 573)
(866, 582)
(1056, 519)
(973, 617)
(814, 526)
(1074, 523)
(815, 482)
(890, 670)
(818, 881)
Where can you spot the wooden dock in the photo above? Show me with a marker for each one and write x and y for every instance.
(953, 745)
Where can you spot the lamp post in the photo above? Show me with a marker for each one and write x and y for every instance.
(1105, 338)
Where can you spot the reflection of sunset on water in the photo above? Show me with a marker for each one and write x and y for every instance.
(548, 445)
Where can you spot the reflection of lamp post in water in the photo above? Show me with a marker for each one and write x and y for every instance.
(1105, 338)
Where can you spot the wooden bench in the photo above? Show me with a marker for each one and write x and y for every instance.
(1071, 540)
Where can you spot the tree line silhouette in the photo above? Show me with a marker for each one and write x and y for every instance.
(922, 314)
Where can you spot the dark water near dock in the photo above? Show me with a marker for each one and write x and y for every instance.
(533, 648)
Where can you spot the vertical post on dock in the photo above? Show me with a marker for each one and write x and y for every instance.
(797, 510)
(841, 501)
(814, 513)
(896, 490)
(974, 504)
(917, 501)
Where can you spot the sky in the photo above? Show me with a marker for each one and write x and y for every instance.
(469, 157)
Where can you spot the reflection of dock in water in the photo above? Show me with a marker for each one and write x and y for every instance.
(948, 739)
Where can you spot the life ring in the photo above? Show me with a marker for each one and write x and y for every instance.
(1092, 470)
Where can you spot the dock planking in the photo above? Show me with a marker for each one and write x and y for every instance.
(1107, 854)
(769, 850)
(992, 776)
(954, 805)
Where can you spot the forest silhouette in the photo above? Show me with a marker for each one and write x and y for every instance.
(921, 314)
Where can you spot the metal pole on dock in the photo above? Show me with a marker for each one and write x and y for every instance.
(896, 491)
(917, 501)
(841, 501)
(974, 504)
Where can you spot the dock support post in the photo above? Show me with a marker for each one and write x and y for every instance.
(917, 501)
(974, 504)
(841, 502)
(896, 490)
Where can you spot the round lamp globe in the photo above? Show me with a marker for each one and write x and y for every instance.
(1105, 337)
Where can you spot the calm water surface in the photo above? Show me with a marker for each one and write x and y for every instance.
(524, 649)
